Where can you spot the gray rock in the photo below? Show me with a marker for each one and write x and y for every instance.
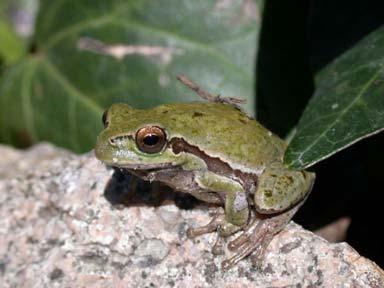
(150, 252)
(58, 230)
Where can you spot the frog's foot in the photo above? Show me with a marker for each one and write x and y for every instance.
(256, 238)
(219, 224)
(218, 247)
(217, 220)
(223, 231)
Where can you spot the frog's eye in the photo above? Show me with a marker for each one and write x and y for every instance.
(150, 139)
(104, 119)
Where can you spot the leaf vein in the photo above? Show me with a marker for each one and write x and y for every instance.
(342, 113)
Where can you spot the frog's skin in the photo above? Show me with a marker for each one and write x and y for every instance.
(219, 155)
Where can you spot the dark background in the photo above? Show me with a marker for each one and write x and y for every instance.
(298, 38)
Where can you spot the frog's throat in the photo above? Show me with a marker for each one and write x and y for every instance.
(214, 164)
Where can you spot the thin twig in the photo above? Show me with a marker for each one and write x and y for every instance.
(199, 91)
(208, 96)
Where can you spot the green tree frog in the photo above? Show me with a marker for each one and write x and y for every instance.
(216, 153)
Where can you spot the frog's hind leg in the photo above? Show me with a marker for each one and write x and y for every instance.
(257, 237)
(279, 195)
(280, 188)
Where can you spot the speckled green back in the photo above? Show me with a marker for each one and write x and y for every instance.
(218, 129)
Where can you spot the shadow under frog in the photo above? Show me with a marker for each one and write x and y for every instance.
(126, 189)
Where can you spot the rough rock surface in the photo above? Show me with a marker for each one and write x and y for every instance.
(58, 230)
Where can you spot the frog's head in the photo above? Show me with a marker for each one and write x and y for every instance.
(131, 140)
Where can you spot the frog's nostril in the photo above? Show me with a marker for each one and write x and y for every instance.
(118, 140)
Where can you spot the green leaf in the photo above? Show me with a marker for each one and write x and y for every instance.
(348, 104)
(12, 46)
(59, 93)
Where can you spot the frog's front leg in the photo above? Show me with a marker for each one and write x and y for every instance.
(236, 206)
(279, 195)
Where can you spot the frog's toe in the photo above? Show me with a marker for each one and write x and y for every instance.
(244, 245)
(237, 242)
(234, 244)
(194, 232)
(218, 248)
(248, 245)
(210, 227)
(258, 248)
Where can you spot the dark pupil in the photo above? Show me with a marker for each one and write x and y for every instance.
(151, 140)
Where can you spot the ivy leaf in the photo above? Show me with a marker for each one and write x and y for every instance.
(90, 54)
(11, 46)
(14, 14)
(348, 104)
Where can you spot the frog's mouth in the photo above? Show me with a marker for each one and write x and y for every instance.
(144, 167)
